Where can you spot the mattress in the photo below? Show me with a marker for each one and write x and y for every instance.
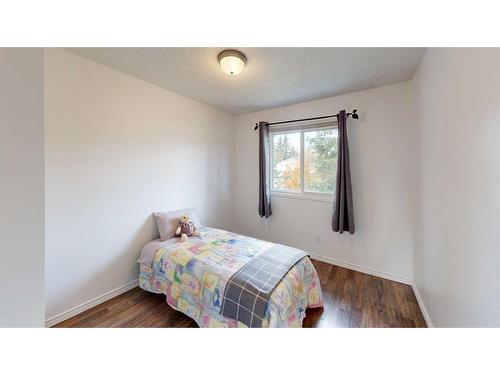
(193, 275)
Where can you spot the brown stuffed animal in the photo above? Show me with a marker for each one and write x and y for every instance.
(186, 228)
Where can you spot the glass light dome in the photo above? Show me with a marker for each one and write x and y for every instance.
(232, 62)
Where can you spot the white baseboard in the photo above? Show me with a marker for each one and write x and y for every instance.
(89, 304)
(354, 267)
(422, 306)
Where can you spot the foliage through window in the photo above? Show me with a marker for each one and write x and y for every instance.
(286, 162)
(304, 161)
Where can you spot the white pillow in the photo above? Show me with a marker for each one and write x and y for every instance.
(168, 221)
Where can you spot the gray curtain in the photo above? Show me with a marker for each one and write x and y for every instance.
(264, 177)
(343, 211)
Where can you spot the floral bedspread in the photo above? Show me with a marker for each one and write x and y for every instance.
(194, 273)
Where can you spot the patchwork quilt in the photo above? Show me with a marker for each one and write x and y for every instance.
(193, 275)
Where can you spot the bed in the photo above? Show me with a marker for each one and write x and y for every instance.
(196, 276)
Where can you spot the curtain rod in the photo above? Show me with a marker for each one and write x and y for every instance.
(353, 114)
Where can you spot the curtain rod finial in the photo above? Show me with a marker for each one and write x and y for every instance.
(256, 126)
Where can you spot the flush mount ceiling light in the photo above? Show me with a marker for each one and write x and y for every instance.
(232, 62)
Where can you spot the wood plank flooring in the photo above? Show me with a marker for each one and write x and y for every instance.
(352, 299)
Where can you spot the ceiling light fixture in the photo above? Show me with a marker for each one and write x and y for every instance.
(232, 62)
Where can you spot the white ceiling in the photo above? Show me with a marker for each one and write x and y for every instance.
(273, 76)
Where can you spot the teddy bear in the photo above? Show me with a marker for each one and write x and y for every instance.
(186, 228)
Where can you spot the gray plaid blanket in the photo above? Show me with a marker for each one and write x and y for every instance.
(248, 291)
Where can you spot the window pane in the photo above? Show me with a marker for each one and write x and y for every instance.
(320, 160)
(286, 162)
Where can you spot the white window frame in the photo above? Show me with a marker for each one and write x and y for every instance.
(315, 196)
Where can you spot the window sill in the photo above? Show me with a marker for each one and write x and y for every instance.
(304, 196)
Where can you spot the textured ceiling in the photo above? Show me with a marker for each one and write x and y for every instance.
(272, 77)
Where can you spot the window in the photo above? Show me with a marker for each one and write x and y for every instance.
(286, 162)
(304, 162)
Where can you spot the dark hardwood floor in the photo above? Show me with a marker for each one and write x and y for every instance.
(352, 299)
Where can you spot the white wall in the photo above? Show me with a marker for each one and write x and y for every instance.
(381, 161)
(117, 149)
(21, 188)
(457, 232)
